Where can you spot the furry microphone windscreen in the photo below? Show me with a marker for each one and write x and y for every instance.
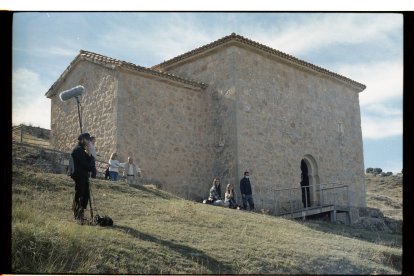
(70, 93)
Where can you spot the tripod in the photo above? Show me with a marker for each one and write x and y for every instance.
(90, 204)
(98, 219)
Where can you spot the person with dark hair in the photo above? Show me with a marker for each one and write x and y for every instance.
(304, 183)
(83, 164)
(246, 191)
(215, 193)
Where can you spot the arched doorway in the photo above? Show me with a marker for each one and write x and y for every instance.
(304, 183)
(310, 178)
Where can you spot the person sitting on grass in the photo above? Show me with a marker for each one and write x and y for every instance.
(230, 197)
(215, 193)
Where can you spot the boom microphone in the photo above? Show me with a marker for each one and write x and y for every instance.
(70, 93)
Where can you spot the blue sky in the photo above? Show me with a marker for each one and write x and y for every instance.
(366, 47)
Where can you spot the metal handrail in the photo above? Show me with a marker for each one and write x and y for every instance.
(320, 200)
(285, 189)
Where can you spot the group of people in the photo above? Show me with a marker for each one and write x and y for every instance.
(82, 166)
(131, 171)
(230, 196)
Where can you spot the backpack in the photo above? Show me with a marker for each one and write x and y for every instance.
(103, 220)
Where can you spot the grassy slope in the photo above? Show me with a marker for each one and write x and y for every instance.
(385, 193)
(31, 139)
(156, 232)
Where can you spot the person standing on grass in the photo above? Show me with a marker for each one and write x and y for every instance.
(114, 166)
(131, 172)
(83, 164)
(246, 191)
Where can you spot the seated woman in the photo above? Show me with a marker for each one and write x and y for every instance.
(215, 193)
(230, 197)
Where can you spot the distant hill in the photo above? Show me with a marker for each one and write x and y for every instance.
(158, 233)
(32, 135)
(385, 193)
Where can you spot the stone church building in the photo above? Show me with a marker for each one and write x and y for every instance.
(219, 110)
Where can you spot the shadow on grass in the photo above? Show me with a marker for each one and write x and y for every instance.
(121, 186)
(187, 252)
(155, 192)
(350, 231)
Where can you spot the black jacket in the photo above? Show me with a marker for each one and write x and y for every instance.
(82, 162)
(245, 187)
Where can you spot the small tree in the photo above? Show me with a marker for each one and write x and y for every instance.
(42, 134)
(369, 170)
(389, 173)
(377, 170)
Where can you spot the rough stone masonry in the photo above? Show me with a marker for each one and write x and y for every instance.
(218, 110)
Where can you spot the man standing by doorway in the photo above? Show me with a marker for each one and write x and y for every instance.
(304, 183)
(246, 191)
(83, 164)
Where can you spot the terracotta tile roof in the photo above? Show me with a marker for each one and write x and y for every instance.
(240, 39)
(114, 63)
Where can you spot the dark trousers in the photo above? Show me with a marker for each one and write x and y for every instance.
(93, 173)
(248, 198)
(80, 201)
(306, 197)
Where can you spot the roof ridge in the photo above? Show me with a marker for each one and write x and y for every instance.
(131, 65)
(244, 40)
(99, 58)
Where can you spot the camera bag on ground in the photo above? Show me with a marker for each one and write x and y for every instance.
(98, 219)
(103, 220)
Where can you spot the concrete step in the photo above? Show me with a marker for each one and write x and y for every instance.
(301, 213)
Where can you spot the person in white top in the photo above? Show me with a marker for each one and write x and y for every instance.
(91, 147)
(92, 152)
(114, 165)
(131, 172)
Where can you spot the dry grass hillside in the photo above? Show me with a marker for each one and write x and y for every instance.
(156, 232)
(385, 193)
(32, 135)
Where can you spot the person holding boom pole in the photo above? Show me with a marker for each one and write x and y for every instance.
(83, 160)
(83, 164)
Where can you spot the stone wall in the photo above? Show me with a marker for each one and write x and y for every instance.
(258, 114)
(163, 125)
(268, 115)
(217, 70)
(98, 109)
(285, 114)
